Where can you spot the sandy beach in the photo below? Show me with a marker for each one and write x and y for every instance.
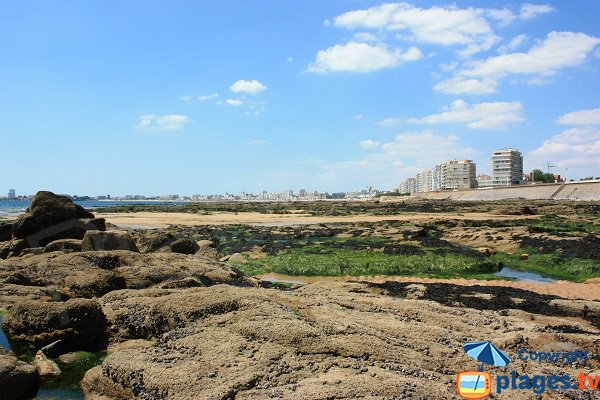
(165, 219)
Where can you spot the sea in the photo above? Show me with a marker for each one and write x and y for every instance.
(12, 208)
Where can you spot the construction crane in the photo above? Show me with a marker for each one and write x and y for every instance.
(549, 165)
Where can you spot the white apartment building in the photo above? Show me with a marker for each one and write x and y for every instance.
(424, 181)
(408, 185)
(507, 167)
(459, 175)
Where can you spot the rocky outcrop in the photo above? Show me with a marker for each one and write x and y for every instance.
(5, 232)
(78, 323)
(18, 380)
(184, 246)
(108, 240)
(65, 245)
(325, 340)
(46, 367)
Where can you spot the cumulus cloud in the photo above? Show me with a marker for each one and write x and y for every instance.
(368, 144)
(582, 117)
(390, 122)
(169, 122)
(493, 115)
(436, 25)
(233, 102)
(208, 97)
(577, 149)
(249, 87)
(529, 11)
(361, 57)
(559, 50)
(514, 44)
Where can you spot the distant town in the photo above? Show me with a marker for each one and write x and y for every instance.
(452, 175)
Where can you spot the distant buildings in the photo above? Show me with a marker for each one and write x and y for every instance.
(12, 194)
(459, 175)
(408, 186)
(484, 181)
(507, 167)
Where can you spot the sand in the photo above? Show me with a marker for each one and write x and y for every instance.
(589, 290)
(164, 219)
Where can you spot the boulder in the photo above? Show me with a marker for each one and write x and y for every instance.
(157, 242)
(108, 240)
(4, 250)
(46, 367)
(17, 246)
(79, 323)
(205, 244)
(50, 217)
(184, 246)
(5, 232)
(18, 380)
(65, 245)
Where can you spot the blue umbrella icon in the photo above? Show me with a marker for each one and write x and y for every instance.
(486, 352)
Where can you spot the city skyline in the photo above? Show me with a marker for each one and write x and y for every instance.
(218, 97)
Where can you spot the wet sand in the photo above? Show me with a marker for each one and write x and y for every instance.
(164, 219)
(589, 290)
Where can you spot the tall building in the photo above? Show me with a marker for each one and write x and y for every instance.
(12, 194)
(507, 167)
(424, 181)
(408, 185)
(459, 175)
(484, 181)
(437, 177)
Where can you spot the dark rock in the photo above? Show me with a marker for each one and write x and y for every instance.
(66, 245)
(183, 284)
(184, 246)
(33, 250)
(54, 349)
(109, 240)
(50, 217)
(5, 232)
(18, 380)
(79, 323)
(16, 247)
(4, 250)
(158, 242)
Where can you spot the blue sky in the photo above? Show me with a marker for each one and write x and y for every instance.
(186, 97)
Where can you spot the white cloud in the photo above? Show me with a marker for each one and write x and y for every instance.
(559, 50)
(504, 16)
(461, 85)
(208, 97)
(513, 44)
(368, 144)
(361, 57)
(169, 122)
(250, 87)
(233, 102)
(436, 25)
(365, 37)
(493, 115)
(390, 122)
(582, 117)
(577, 149)
(529, 11)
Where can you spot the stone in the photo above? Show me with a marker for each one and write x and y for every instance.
(205, 244)
(65, 245)
(50, 217)
(108, 240)
(237, 258)
(524, 256)
(5, 232)
(17, 246)
(79, 323)
(46, 367)
(18, 379)
(184, 246)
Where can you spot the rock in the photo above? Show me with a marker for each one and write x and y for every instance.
(32, 251)
(65, 245)
(157, 242)
(79, 323)
(182, 284)
(184, 246)
(54, 349)
(70, 358)
(205, 244)
(4, 250)
(237, 258)
(17, 246)
(46, 368)
(108, 240)
(524, 256)
(95, 283)
(50, 217)
(5, 232)
(18, 380)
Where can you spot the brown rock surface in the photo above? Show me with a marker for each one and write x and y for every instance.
(18, 380)
(326, 340)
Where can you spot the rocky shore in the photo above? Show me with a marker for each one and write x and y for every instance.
(177, 323)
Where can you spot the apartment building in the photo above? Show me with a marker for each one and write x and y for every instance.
(459, 175)
(507, 167)
(408, 185)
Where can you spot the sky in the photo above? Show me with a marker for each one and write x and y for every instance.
(201, 97)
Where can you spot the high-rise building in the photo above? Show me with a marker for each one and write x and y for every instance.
(459, 175)
(437, 177)
(424, 181)
(507, 167)
(12, 194)
(408, 185)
